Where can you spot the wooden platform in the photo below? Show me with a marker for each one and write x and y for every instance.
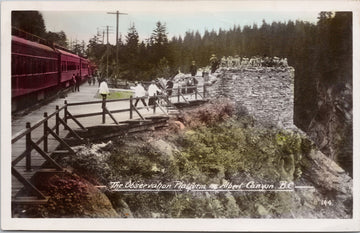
(91, 124)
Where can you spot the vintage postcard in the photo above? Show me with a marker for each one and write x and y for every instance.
(180, 115)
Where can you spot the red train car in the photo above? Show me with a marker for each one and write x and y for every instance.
(34, 67)
(40, 70)
(70, 64)
(84, 68)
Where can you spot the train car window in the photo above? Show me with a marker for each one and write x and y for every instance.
(47, 68)
(32, 64)
(35, 66)
(71, 66)
(25, 64)
(13, 64)
(28, 66)
(21, 65)
(40, 64)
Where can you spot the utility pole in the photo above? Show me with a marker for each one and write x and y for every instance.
(107, 51)
(107, 48)
(117, 33)
(107, 34)
(103, 37)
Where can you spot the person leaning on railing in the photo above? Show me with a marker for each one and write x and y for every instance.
(169, 86)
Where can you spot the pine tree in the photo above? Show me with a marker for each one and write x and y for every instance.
(159, 35)
(29, 21)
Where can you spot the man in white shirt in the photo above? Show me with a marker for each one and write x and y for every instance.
(153, 91)
(139, 94)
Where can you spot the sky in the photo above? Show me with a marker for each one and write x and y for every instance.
(82, 25)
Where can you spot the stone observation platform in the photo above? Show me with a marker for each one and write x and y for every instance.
(266, 92)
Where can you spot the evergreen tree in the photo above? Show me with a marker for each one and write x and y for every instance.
(57, 38)
(132, 39)
(159, 35)
(29, 21)
(159, 46)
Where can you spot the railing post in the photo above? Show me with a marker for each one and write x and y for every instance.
(204, 90)
(155, 98)
(45, 132)
(103, 108)
(57, 120)
(65, 111)
(178, 94)
(28, 148)
(196, 92)
(131, 107)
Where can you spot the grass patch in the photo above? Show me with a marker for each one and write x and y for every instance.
(117, 95)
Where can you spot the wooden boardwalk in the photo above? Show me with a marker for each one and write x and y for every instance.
(87, 93)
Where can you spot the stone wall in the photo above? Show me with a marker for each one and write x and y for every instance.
(267, 93)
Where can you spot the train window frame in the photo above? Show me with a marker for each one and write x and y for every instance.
(28, 65)
(63, 66)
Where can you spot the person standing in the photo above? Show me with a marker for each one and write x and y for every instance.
(78, 80)
(194, 83)
(93, 80)
(193, 69)
(104, 89)
(214, 63)
(169, 87)
(73, 82)
(153, 90)
(189, 85)
(139, 94)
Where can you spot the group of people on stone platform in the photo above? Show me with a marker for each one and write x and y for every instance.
(255, 61)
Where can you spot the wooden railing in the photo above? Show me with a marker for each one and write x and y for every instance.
(30, 144)
(179, 92)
